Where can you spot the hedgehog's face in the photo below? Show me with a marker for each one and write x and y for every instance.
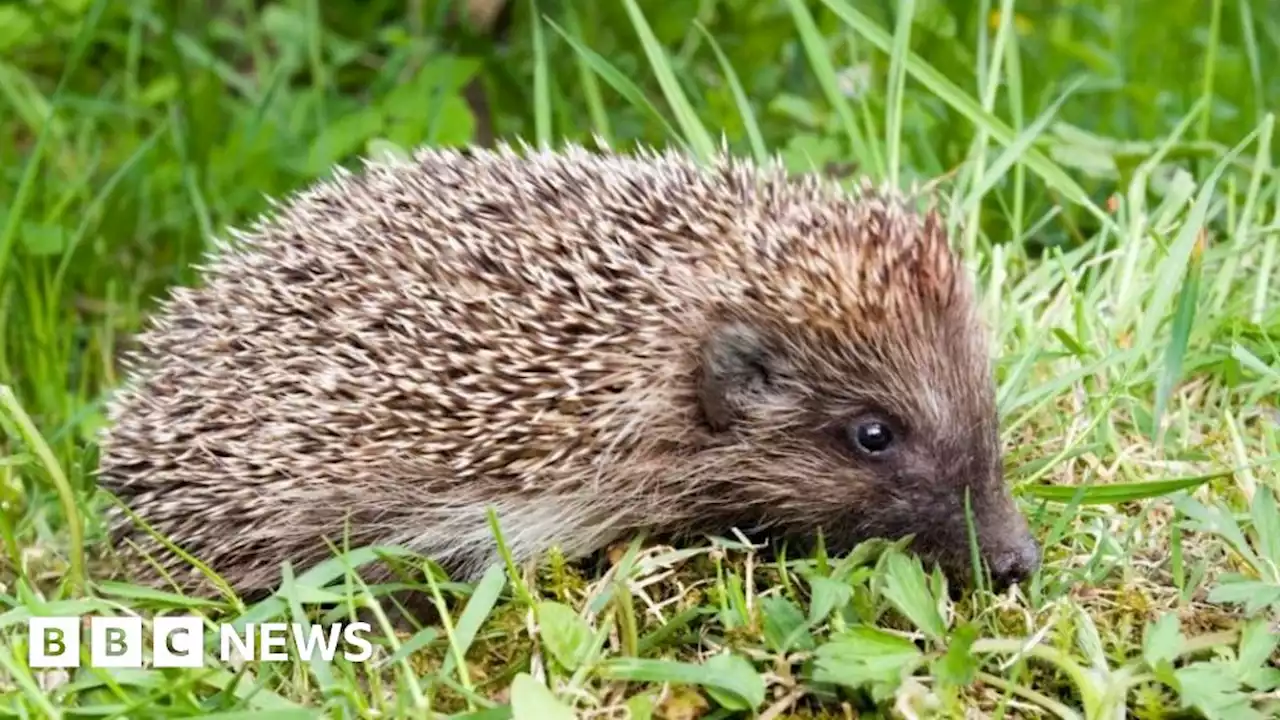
(868, 438)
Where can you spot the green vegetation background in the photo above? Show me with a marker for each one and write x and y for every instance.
(1114, 167)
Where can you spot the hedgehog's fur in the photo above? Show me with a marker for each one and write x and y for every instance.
(590, 343)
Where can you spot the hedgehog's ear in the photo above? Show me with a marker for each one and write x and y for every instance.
(738, 365)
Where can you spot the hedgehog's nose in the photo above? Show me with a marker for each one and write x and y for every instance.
(1015, 565)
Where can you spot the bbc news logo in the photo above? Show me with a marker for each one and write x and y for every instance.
(179, 642)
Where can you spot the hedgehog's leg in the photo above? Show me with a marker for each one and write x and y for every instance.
(242, 539)
(451, 528)
(461, 539)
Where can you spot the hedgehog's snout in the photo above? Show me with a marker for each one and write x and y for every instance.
(1015, 564)
(1009, 548)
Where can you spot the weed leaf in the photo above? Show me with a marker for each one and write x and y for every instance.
(1266, 522)
(958, 666)
(733, 682)
(784, 625)
(865, 656)
(1161, 645)
(1253, 594)
(564, 633)
(741, 687)
(531, 700)
(1209, 688)
(907, 588)
(1253, 666)
(828, 596)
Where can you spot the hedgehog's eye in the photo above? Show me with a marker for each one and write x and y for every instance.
(871, 436)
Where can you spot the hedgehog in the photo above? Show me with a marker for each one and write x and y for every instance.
(593, 344)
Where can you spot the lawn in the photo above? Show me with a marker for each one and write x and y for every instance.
(1110, 171)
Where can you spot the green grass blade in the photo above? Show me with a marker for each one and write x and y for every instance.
(865, 153)
(1180, 334)
(479, 606)
(1210, 64)
(590, 86)
(1016, 150)
(947, 91)
(756, 138)
(1249, 35)
(26, 186)
(1114, 493)
(66, 494)
(27, 684)
(906, 11)
(694, 133)
(318, 667)
(1173, 268)
(541, 84)
(619, 82)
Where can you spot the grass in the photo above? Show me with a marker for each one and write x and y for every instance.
(1110, 168)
